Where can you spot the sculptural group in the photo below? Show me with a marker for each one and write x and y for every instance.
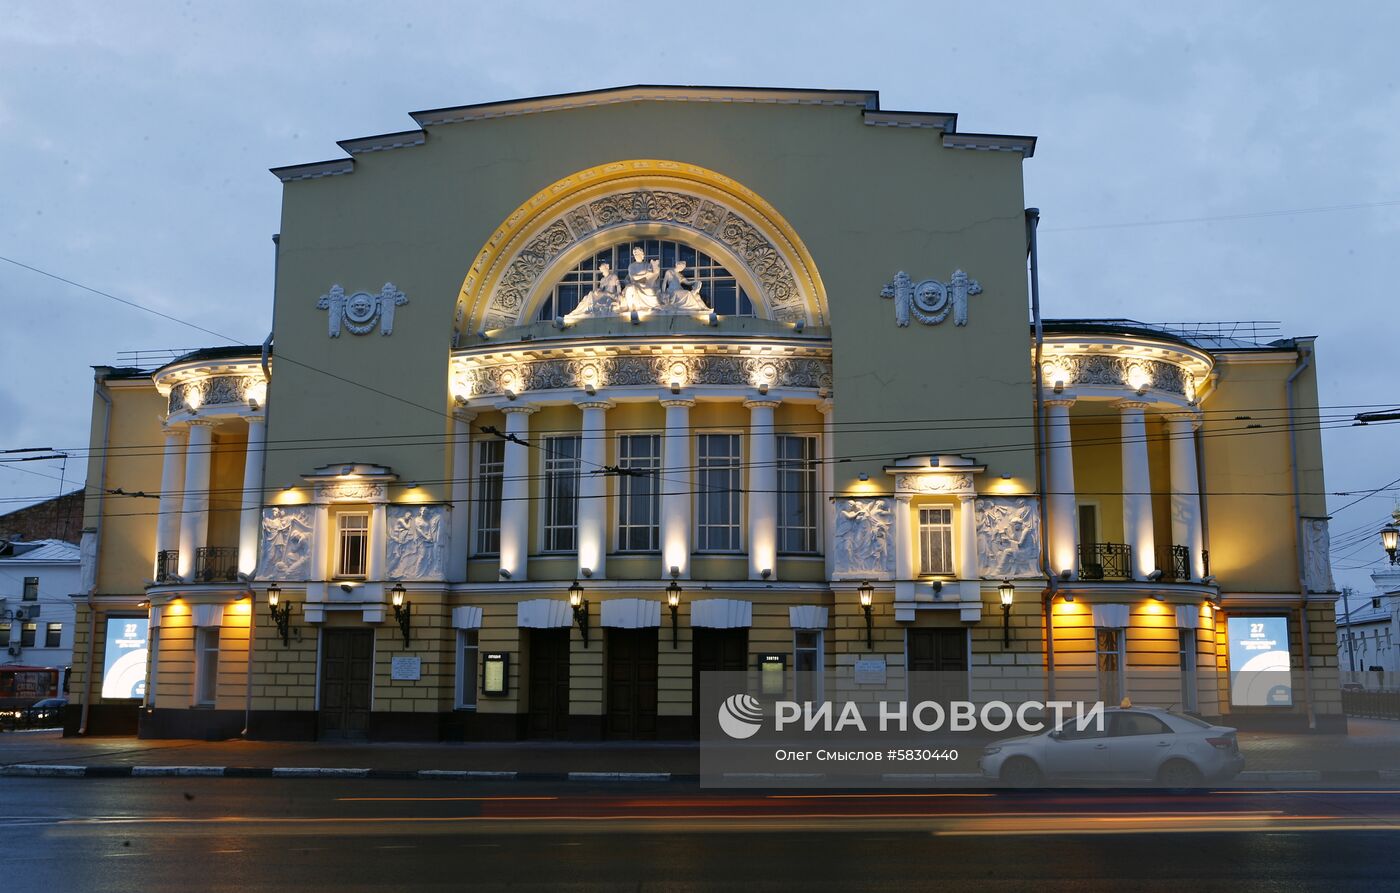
(648, 290)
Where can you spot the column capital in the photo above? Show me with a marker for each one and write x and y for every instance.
(509, 408)
(464, 415)
(678, 401)
(762, 403)
(172, 430)
(201, 423)
(1059, 401)
(966, 497)
(595, 404)
(905, 498)
(826, 406)
(1125, 405)
(1184, 416)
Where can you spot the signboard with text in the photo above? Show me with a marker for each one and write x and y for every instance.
(124, 664)
(1260, 662)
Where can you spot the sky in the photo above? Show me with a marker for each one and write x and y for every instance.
(1197, 161)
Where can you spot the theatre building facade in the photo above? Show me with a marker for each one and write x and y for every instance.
(569, 400)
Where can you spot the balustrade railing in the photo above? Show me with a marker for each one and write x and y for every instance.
(167, 565)
(216, 564)
(1175, 563)
(1105, 561)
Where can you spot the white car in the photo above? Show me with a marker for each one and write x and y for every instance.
(1136, 744)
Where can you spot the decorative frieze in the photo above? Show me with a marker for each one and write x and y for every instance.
(286, 542)
(485, 379)
(1103, 370)
(417, 542)
(930, 301)
(352, 491)
(933, 483)
(359, 312)
(864, 539)
(216, 390)
(1008, 537)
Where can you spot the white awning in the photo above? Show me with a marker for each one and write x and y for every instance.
(631, 613)
(721, 613)
(543, 613)
(1111, 616)
(466, 617)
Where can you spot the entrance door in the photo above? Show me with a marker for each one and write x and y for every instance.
(631, 683)
(711, 650)
(549, 683)
(347, 668)
(937, 665)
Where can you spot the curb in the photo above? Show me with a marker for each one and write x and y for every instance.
(39, 770)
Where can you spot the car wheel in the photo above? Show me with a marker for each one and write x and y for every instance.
(1019, 772)
(1179, 774)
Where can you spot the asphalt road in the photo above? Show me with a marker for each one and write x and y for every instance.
(350, 835)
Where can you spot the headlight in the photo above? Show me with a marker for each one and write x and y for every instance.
(991, 750)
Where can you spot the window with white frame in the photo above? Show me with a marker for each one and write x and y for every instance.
(561, 471)
(1108, 654)
(467, 652)
(935, 540)
(808, 663)
(797, 494)
(638, 493)
(717, 528)
(206, 672)
(352, 544)
(490, 475)
(718, 287)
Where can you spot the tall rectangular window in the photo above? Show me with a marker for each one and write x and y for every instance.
(1186, 639)
(1088, 523)
(206, 670)
(352, 544)
(718, 524)
(561, 471)
(1108, 652)
(31, 589)
(936, 540)
(467, 653)
(797, 494)
(27, 634)
(638, 493)
(4, 634)
(490, 474)
(808, 664)
(53, 635)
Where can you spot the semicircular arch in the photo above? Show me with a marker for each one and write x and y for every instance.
(637, 199)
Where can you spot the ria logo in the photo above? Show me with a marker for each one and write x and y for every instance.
(741, 716)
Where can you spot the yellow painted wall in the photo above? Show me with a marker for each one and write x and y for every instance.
(127, 549)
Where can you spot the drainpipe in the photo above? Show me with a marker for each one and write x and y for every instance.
(252, 630)
(101, 392)
(1041, 473)
(1304, 361)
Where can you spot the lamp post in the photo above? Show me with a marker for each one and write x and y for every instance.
(580, 606)
(673, 601)
(281, 614)
(402, 609)
(867, 598)
(1390, 541)
(1008, 595)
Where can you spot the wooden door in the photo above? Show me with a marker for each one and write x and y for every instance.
(937, 665)
(347, 670)
(549, 683)
(725, 650)
(631, 683)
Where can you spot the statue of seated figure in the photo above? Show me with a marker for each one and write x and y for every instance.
(643, 277)
(676, 294)
(602, 300)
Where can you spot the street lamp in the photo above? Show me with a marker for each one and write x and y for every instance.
(1008, 595)
(867, 597)
(1390, 541)
(673, 601)
(402, 609)
(281, 614)
(580, 606)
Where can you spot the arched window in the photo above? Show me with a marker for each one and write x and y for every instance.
(718, 287)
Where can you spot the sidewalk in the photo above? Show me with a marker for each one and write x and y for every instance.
(1369, 754)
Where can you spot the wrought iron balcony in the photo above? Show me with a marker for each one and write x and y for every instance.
(1175, 563)
(167, 565)
(1105, 561)
(216, 564)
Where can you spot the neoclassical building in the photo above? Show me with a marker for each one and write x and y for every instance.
(569, 400)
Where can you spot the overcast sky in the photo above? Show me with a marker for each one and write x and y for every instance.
(135, 140)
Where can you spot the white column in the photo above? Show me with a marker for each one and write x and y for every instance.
(172, 475)
(251, 512)
(676, 480)
(1060, 496)
(1185, 490)
(378, 542)
(593, 491)
(967, 538)
(458, 544)
(1137, 489)
(763, 490)
(194, 520)
(322, 542)
(515, 493)
(827, 478)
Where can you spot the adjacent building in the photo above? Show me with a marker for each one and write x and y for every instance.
(569, 400)
(37, 581)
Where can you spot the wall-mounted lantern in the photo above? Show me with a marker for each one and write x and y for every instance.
(402, 609)
(673, 601)
(1008, 595)
(1390, 541)
(580, 606)
(281, 614)
(867, 599)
